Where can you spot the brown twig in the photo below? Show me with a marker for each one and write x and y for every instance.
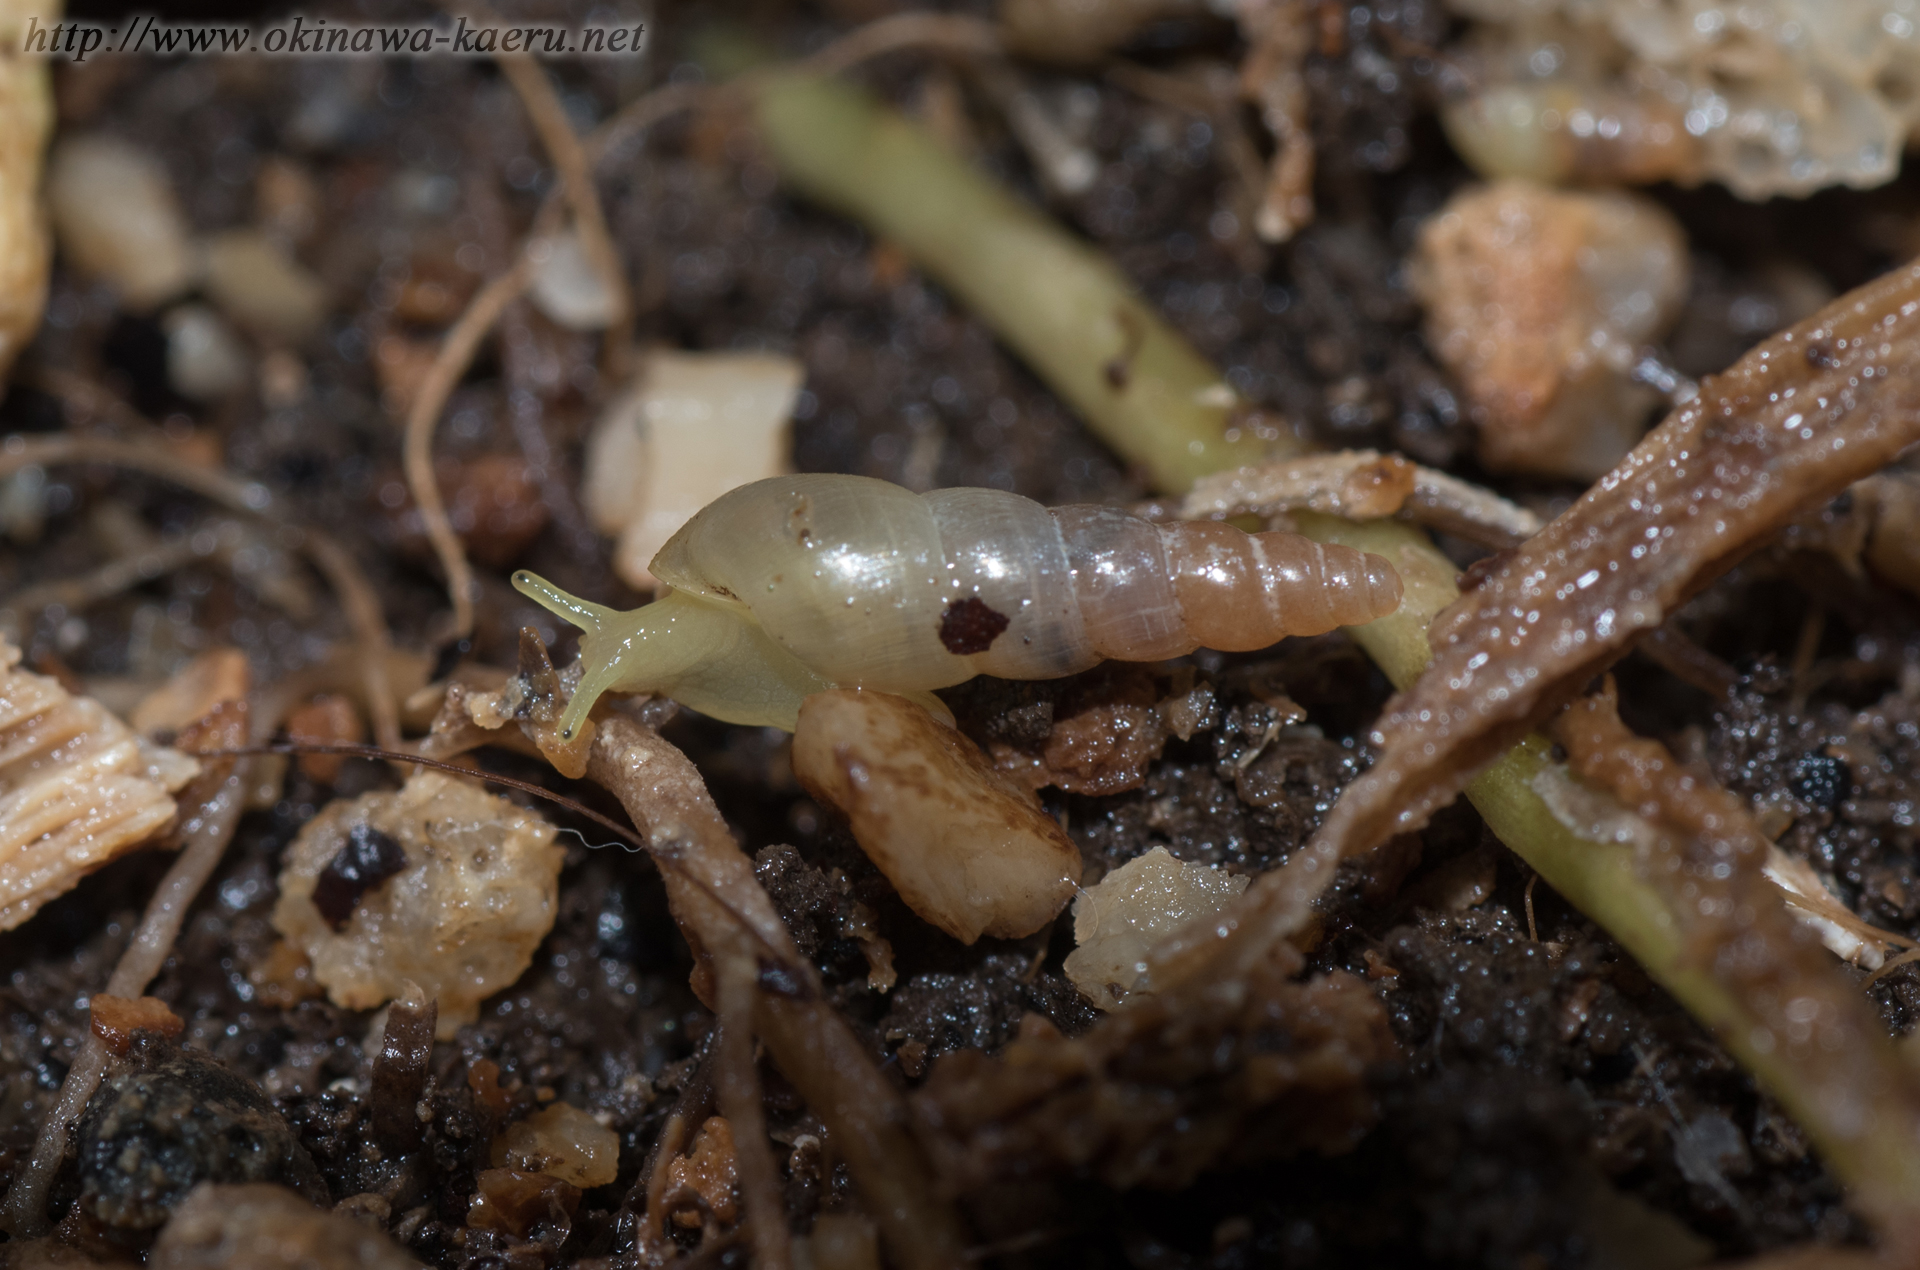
(736, 1085)
(806, 1037)
(358, 599)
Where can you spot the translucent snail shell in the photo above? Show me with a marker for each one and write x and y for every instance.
(797, 584)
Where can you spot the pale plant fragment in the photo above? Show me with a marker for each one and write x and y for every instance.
(692, 427)
(966, 850)
(26, 120)
(78, 788)
(1280, 33)
(1842, 930)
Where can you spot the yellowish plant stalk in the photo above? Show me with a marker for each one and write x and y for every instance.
(1063, 307)
(1600, 879)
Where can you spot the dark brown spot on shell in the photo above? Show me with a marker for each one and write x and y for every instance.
(723, 592)
(1821, 355)
(369, 858)
(970, 626)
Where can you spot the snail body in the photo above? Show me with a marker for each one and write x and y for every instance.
(797, 584)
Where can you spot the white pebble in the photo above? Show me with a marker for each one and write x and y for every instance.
(205, 359)
(116, 218)
(262, 288)
(1117, 922)
(568, 289)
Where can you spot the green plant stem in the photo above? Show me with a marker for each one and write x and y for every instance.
(1600, 879)
(1066, 310)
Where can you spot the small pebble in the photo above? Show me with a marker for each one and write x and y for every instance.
(462, 917)
(116, 218)
(564, 1142)
(205, 359)
(262, 288)
(265, 1227)
(1117, 922)
(568, 289)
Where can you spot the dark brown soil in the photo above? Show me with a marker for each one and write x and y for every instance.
(1549, 1105)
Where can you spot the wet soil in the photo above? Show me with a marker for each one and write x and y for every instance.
(1548, 1105)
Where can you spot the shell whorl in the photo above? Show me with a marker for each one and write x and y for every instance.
(870, 584)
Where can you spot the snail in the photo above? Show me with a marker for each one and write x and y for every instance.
(796, 584)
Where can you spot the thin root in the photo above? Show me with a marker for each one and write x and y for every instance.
(358, 599)
(1892, 964)
(575, 165)
(449, 364)
(737, 1087)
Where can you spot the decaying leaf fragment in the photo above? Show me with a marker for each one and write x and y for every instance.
(1795, 421)
(77, 788)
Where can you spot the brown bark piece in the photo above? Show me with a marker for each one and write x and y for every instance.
(116, 1019)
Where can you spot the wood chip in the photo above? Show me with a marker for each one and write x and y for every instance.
(77, 788)
(116, 1019)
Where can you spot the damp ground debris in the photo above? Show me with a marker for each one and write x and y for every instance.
(1452, 1066)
